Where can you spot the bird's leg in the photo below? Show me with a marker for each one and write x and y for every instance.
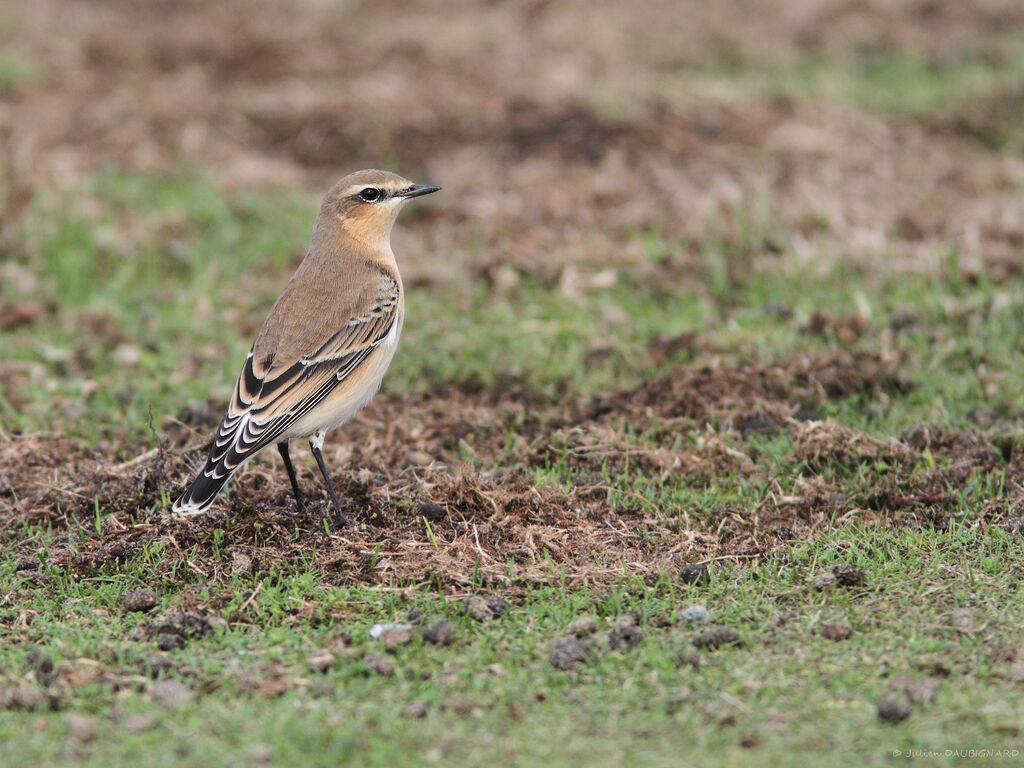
(316, 442)
(283, 448)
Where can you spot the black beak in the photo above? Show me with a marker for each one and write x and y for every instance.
(416, 190)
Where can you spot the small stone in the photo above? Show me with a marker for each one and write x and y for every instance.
(434, 513)
(186, 624)
(694, 573)
(154, 664)
(963, 620)
(170, 642)
(892, 709)
(442, 633)
(261, 754)
(717, 637)
(916, 690)
(138, 723)
(22, 697)
(688, 658)
(849, 576)
(377, 631)
(696, 614)
(823, 581)
(379, 665)
(394, 639)
(140, 600)
(582, 626)
(484, 607)
(80, 727)
(241, 564)
(171, 694)
(624, 637)
(419, 459)
(569, 652)
(322, 661)
(836, 632)
(1016, 671)
(416, 710)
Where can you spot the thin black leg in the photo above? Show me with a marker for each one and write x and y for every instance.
(339, 516)
(283, 448)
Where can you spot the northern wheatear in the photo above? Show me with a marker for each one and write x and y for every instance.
(322, 352)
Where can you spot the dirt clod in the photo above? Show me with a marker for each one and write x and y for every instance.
(688, 657)
(695, 614)
(186, 624)
(836, 631)
(168, 641)
(396, 637)
(823, 581)
(241, 564)
(582, 626)
(569, 652)
(140, 600)
(379, 665)
(25, 697)
(485, 607)
(694, 573)
(892, 709)
(434, 513)
(322, 660)
(442, 633)
(718, 637)
(624, 637)
(416, 710)
(849, 576)
(171, 693)
(81, 728)
(917, 690)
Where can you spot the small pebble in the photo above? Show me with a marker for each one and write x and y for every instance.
(416, 710)
(379, 665)
(694, 573)
(138, 723)
(441, 633)
(836, 632)
(849, 576)
(434, 513)
(717, 637)
(170, 642)
(569, 652)
(696, 614)
(322, 661)
(377, 631)
(80, 727)
(397, 637)
(582, 626)
(823, 581)
(241, 564)
(624, 637)
(485, 607)
(892, 709)
(688, 658)
(171, 693)
(140, 600)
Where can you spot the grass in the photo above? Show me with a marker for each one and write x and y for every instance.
(493, 695)
(148, 290)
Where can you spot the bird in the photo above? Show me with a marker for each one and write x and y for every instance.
(326, 343)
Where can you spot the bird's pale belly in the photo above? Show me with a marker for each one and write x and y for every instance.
(349, 396)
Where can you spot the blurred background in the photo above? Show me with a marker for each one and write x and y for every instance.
(617, 178)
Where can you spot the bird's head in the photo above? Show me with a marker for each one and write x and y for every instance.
(365, 204)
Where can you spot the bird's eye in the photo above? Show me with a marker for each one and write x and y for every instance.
(370, 194)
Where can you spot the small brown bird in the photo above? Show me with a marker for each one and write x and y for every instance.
(323, 350)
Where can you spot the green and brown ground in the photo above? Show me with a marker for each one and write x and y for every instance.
(703, 444)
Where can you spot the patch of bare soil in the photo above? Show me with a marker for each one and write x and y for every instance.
(572, 124)
(428, 516)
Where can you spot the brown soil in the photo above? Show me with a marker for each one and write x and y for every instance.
(500, 526)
